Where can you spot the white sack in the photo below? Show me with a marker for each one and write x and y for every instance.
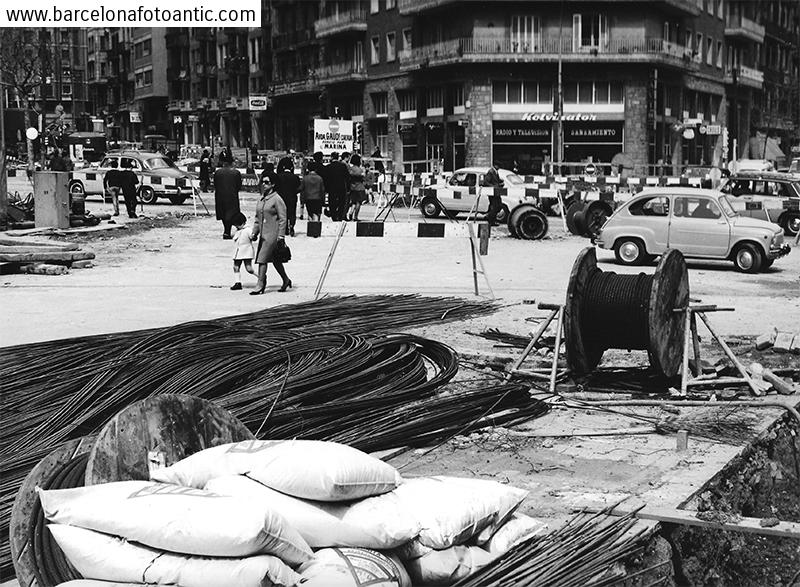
(445, 567)
(310, 469)
(178, 519)
(96, 583)
(451, 510)
(373, 522)
(100, 556)
(516, 530)
(353, 567)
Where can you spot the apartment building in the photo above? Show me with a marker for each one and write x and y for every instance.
(525, 82)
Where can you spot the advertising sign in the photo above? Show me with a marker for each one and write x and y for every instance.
(521, 132)
(135, 116)
(333, 135)
(258, 102)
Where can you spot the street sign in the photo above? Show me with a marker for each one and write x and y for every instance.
(714, 129)
(333, 135)
(32, 134)
(590, 169)
(135, 116)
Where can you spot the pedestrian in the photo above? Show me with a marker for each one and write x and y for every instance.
(111, 185)
(288, 188)
(59, 162)
(205, 170)
(243, 235)
(337, 181)
(376, 154)
(492, 180)
(312, 193)
(269, 230)
(126, 180)
(358, 192)
(227, 183)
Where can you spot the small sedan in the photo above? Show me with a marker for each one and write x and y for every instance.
(158, 176)
(701, 224)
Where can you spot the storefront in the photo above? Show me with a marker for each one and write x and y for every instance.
(522, 144)
(600, 140)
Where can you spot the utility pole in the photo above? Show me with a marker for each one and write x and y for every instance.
(560, 99)
(3, 171)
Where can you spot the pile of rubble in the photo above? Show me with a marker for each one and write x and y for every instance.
(18, 255)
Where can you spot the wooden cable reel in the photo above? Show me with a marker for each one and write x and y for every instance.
(605, 310)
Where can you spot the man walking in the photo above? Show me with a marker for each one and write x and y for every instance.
(227, 183)
(124, 180)
(492, 180)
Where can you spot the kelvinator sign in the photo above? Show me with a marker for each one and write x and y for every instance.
(333, 135)
(556, 116)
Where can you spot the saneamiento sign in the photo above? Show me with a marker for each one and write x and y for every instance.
(333, 135)
(555, 117)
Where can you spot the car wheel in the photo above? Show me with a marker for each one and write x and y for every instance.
(76, 188)
(630, 251)
(503, 214)
(177, 200)
(530, 224)
(791, 224)
(430, 207)
(147, 195)
(748, 258)
(767, 264)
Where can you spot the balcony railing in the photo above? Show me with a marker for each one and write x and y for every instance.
(173, 105)
(746, 76)
(478, 49)
(415, 6)
(353, 20)
(342, 72)
(744, 27)
(287, 41)
(304, 85)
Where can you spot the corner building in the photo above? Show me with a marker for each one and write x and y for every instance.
(467, 82)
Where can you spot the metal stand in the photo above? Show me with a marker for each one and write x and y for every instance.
(556, 313)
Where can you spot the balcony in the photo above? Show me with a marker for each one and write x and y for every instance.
(173, 106)
(417, 6)
(742, 27)
(185, 105)
(745, 76)
(344, 22)
(341, 72)
(489, 50)
(287, 87)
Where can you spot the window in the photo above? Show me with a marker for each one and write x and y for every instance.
(522, 93)
(525, 33)
(589, 31)
(720, 9)
(464, 179)
(391, 48)
(653, 206)
(694, 207)
(457, 99)
(148, 77)
(374, 6)
(129, 163)
(375, 51)
(380, 103)
(147, 47)
(390, 4)
(435, 101)
(688, 44)
(593, 93)
(407, 39)
(719, 54)
(698, 48)
(709, 51)
(407, 100)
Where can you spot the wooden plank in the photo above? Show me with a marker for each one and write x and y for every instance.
(165, 428)
(63, 257)
(689, 518)
(26, 242)
(18, 250)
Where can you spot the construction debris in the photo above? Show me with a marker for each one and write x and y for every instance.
(40, 257)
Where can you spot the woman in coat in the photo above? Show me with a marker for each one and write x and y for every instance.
(269, 229)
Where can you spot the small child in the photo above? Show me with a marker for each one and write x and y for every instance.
(243, 236)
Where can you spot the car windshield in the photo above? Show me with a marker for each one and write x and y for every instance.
(727, 209)
(158, 163)
(514, 179)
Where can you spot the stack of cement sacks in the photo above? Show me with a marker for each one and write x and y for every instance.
(285, 513)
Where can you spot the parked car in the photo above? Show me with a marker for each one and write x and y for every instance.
(462, 193)
(158, 176)
(767, 196)
(700, 223)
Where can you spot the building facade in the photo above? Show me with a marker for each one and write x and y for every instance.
(659, 82)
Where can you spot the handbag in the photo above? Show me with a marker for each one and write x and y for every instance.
(283, 254)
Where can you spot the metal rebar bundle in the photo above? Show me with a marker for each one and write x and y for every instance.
(584, 552)
(323, 381)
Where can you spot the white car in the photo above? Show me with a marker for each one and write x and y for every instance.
(158, 176)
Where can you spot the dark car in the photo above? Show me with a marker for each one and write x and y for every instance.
(767, 195)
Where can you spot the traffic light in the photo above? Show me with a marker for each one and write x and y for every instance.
(358, 139)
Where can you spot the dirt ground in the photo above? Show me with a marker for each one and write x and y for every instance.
(170, 267)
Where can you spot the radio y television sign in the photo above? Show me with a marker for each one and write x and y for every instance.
(333, 135)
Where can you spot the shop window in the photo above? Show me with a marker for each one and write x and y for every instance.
(375, 51)
(391, 48)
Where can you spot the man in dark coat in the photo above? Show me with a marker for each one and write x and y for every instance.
(205, 170)
(492, 180)
(125, 181)
(227, 183)
(288, 186)
(337, 181)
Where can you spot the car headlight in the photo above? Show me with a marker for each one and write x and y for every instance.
(777, 240)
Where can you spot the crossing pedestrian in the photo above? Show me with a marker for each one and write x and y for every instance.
(269, 230)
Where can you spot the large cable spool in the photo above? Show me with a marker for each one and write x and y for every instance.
(605, 310)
